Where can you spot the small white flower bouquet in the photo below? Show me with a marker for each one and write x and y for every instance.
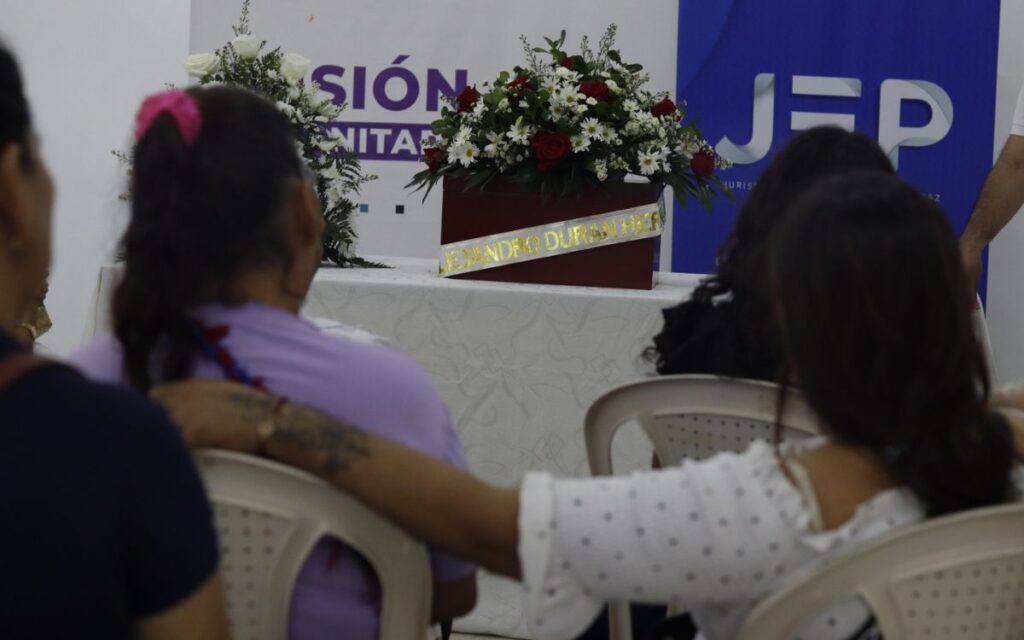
(279, 76)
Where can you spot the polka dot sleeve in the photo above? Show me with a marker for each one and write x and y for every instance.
(558, 605)
(693, 536)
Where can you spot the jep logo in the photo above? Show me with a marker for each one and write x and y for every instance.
(892, 133)
(925, 93)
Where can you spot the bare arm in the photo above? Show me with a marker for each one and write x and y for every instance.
(435, 502)
(1001, 197)
(1010, 402)
(200, 616)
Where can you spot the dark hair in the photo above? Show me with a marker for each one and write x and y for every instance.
(733, 344)
(201, 214)
(873, 312)
(15, 118)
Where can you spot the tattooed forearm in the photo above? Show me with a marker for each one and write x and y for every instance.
(246, 400)
(332, 443)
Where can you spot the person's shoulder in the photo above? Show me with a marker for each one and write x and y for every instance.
(100, 359)
(374, 354)
(87, 398)
(87, 416)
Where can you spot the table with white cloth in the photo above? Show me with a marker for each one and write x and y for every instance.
(518, 365)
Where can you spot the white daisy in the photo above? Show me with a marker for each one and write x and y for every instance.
(519, 133)
(462, 136)
(591, 128)
(648, 162)
(464, 153)
(580, 143)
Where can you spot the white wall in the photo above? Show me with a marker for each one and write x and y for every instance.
(1006, 256)
(87, 65)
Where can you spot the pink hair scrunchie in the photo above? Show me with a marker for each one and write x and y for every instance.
(180, 105)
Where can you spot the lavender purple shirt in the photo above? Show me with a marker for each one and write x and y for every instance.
(344, 373)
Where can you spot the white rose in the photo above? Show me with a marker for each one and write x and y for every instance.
(294, 67)
(246, 46)
(202, 64)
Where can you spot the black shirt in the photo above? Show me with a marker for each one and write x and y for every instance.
(103, 519)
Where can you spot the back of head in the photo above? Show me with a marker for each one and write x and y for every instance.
(203, 212)
(26, 199)
(809, 157)
(15, 121)
(874, 317)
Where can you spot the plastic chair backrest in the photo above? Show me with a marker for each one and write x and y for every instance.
(694, 417)
(269, 516)
(961, 576)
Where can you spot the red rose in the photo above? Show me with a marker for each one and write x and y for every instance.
(465, 100)
(435, 159)
(664, 108)
(518, 83)
(703, 162)
(595, 90)
(550, 147)
(567, 62)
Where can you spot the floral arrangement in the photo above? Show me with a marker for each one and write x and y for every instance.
(279, 76)
(569, 124)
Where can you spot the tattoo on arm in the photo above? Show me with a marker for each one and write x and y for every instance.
(338, 443)
(248, 400)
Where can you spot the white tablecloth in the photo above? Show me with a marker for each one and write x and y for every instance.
(517, 364)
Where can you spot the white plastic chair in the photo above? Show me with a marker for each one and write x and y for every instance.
(693, 417)
(268, 518)
(961, 576)
(689, 417)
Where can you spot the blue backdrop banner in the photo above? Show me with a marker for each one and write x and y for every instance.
(918, 77)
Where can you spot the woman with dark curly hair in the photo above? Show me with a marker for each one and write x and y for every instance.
(720, 329)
